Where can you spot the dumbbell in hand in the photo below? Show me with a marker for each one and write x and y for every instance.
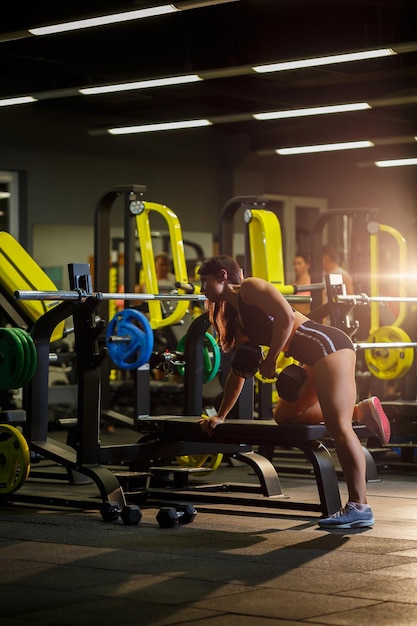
(246, 360)
(168, 516)
(291, 383)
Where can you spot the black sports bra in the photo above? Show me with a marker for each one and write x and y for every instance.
(256, 324)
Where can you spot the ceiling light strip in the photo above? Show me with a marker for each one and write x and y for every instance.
(103, 20)
(327, 60)
(142, 84)
(396, 162)
(330, 147)
(126, 16)
(148, 128)
(198, 4)
(321, 110)
(213, 74)
(5, 102)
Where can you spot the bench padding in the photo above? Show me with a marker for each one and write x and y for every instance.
(245, 431)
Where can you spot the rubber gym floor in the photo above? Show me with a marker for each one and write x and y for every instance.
(251, 566)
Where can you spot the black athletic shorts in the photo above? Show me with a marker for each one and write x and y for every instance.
(312, 341)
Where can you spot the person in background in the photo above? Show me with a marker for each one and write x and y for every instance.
(166, 279)
(253, 311)
(330, 264)
(302, 277)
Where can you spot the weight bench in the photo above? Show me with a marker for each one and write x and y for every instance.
(170, 436)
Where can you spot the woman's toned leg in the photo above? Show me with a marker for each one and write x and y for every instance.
(335, 384)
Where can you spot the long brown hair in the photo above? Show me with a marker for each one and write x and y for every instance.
(222, 315)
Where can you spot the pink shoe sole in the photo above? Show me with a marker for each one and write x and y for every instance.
(377, 420)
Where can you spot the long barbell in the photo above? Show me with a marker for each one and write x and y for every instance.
(386, 364)
(363, 298)
(79, 295)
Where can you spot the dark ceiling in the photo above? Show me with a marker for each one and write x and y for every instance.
(225, 36)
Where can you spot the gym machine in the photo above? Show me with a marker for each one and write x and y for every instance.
(138, 238)
(86, 457)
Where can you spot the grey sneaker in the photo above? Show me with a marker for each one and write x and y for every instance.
(371, 413)
(349, 517)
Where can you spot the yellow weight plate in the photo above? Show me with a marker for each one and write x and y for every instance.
(14, 459)
(389, 363)
(209, 461)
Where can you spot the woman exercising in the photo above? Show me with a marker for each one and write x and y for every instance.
(254, 310)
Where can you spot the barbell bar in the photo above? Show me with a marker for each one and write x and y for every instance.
(389, 351)
(81, 295)
(139, 297)
(363, 298)
(309, 287)
(394, 361)
(394, 355)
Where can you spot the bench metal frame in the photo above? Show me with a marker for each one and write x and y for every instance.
(171, 436)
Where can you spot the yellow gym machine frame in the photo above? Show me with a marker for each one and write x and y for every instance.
(156, 317)
(18, 270)
(137, 219)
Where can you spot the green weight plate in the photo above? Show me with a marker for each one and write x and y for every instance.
(30, 355)
(15, 459)
(12, 361)
(211, 357)
(26, 356)
(34, 357)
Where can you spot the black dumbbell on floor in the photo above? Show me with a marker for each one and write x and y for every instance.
(168, 516)
(130, 513)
